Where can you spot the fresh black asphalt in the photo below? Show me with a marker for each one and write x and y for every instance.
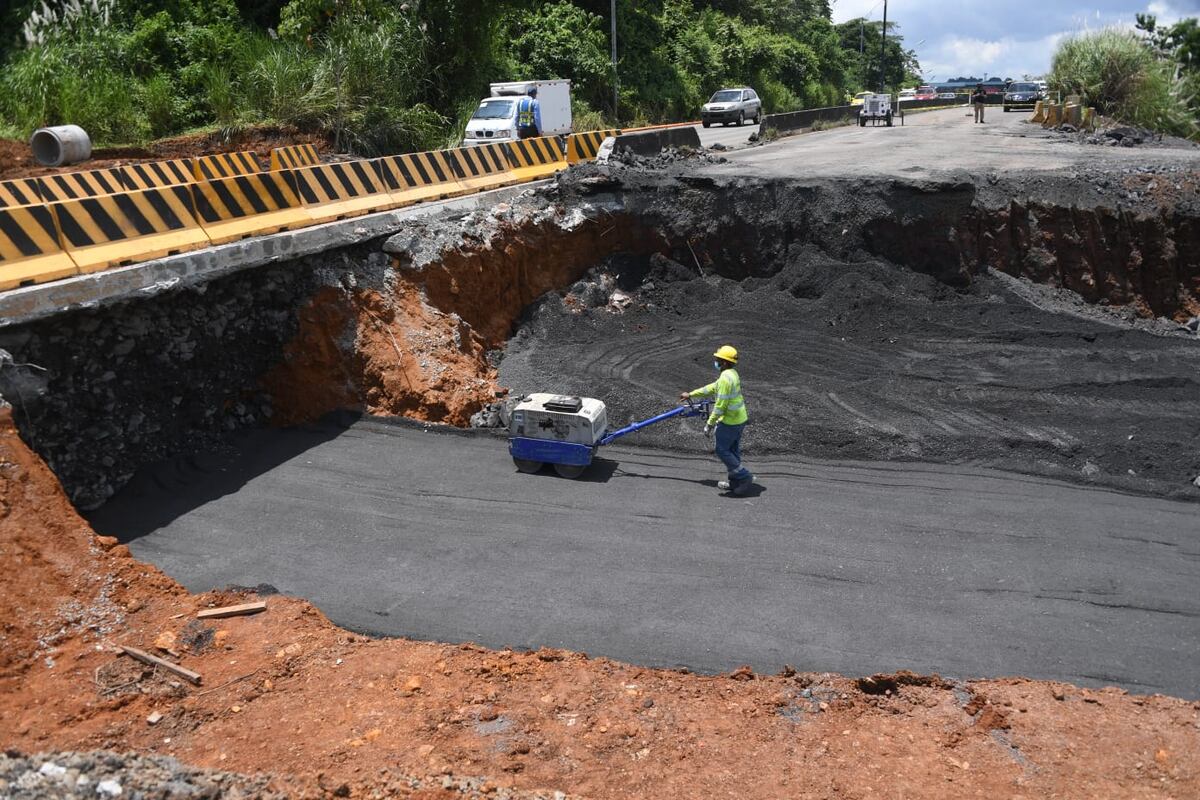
(844, 567)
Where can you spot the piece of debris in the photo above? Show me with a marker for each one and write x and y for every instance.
(232, 611)
(742, 673)
(154, 718)
(155, 661)
(108, 788)
(167, 643)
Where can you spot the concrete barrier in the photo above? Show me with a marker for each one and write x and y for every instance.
(76, 185)
(803, 120)
(249, 205)
(416, 177)
(1073, 115)
(226, 165)
(1054, 116)
(156, 174)
(653, 142)
(294, 156)
(482, 167)
(29, 248)
(531, 159)
(103, 232)
(340, 191)
(584, 146)
(1039, 113)
(20, 192)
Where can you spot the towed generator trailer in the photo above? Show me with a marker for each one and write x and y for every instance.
(566, 432)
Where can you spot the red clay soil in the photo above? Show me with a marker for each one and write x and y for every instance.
(16, 159)
(330, 713)
(419, 347)
(393, 356)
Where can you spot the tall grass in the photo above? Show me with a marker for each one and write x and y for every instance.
(358, 81)
(1115, 71)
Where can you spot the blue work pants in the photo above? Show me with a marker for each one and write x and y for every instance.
(729, 450)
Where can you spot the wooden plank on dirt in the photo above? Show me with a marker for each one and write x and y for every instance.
(155, 661)
(232, 611)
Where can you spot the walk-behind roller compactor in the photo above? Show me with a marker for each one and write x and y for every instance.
(566, 432)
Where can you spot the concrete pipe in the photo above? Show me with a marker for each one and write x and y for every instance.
(62, 144)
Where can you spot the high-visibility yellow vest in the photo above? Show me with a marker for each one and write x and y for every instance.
(525, 112)
(730, 406)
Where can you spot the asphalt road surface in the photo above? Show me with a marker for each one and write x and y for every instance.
(731, 136)
(942, 141)
(846, 567)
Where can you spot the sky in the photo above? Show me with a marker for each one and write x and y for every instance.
(1005, 38)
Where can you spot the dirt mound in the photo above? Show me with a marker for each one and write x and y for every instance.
(16, 159)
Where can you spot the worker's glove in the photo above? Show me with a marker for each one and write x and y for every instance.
(708, 430)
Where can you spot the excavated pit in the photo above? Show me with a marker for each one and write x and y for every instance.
(1027, 326)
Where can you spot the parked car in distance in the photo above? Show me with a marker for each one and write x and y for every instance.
(926, 93)
(732, 105)
(1022, 95)
(907, 94)
(946, 95)
(858, 98)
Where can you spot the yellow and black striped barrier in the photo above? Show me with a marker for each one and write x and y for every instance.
(480, 168)
(293, 156)
(225, 165)
(249, 205)
(60, 225)
(1054, 116)
(20, 192)
(108, 231)
(341, 190)
(155, 174)
(29, 249)
(77, 185)
(414, 177)
(531, 159)
(585, 146)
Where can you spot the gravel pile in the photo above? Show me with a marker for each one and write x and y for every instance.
(55, 776)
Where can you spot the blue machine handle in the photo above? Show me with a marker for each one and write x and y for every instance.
(692, 409)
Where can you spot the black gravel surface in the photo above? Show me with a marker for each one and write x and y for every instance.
(861, 359)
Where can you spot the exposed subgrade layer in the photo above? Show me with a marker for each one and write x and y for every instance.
(874, 317)
(896, 322)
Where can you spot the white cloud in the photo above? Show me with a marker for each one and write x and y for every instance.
(1009, 38)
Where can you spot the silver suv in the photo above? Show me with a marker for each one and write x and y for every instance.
(732, 105)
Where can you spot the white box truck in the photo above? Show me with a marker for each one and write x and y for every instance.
(496, 118)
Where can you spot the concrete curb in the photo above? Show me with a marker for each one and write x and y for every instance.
(148, 278)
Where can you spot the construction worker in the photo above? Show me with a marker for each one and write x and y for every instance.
(529, 115)
(979, 100)
(727, 419)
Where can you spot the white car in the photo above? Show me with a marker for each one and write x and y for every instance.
(732, 105)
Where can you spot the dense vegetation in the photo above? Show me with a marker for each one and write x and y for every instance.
(380, 76)
(1151, 78)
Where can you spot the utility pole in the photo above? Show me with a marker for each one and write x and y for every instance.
(883, 50)
(616, 92)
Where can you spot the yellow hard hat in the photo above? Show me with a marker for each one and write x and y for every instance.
(726, 353)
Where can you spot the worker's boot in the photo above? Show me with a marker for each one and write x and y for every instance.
(742, 486)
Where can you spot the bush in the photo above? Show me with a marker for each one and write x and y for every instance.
(1115, 71)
